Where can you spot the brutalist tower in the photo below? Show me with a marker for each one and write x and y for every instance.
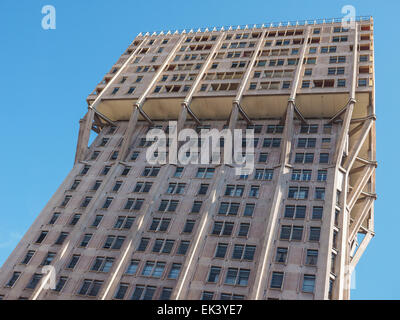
(295, 228)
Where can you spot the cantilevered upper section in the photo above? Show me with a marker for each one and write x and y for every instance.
(209, 69)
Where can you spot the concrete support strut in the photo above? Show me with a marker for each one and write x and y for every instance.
(282, 177)
(138, 106)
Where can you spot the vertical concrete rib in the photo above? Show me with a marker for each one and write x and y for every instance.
(188, 99)
(85, 127)
(86, 124)
(342, 289)
(246, 77)
(284, 171)
(137, 107)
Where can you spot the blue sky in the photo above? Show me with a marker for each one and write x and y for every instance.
(48, 74)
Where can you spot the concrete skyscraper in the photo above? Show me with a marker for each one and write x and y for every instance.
(295, 228)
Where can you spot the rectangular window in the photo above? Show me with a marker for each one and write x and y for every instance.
(73, 262)
(319, 193)
(133, 204)
(196, 206)
(168, 205)
(90, 287)
(86, 202)
(312, 257)
(298, 193)
(183, 247)
(276, 280)
(308, 283)
(291, 233)
(75, 219)
(28, 257)
(213, 275)
(221, 249)
(174, 271)
(85, 240)
(263, 157)
(281, 255)
(263, 174)
(132, 267)
(243, 229)
(234, 190)
(317, 213)
(41, 237)
(15, 276)
(60, 284)
(314, 234)
(159, 225)
(34, 281)
(254, 191)
(249, 209)
(228, 208)
(61, 238)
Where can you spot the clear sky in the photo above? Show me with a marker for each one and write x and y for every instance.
(48, 74)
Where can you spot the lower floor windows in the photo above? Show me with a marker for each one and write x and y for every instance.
(308, 283)
(90, 287)
(276, 280)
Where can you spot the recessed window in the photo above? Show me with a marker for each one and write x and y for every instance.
(85, 240)
(41, 237)
(28, 257)
(61, 238)
(60, 284)
(160, 225)
(114, 91)
(222, 228)
(314, 233)
(189, 225)
(236, 276)
(228, 208)
(90, 287)
(133, 204)
(85, 169)
(97, 220)
(243, 252)
(276, 280)
(298, 193)
(234, 190)
(213, 275)
(124, 222)
(317, 213)
(308, 283)
(65, 201)
(243, 229)
(113, 242)
(295, 212)
(281, 255)
(174, 271)
(183, 247)
(196, 206)
(311, 257)
(324, 158)
(34, 281)
(102, 264)
(86, 202)
(54, 217)
(132, 267)
(73, 262)
(291, 233)
(168, 205)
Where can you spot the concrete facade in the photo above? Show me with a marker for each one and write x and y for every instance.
(294, 231)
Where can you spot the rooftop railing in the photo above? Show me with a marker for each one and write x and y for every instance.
(293, 23)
